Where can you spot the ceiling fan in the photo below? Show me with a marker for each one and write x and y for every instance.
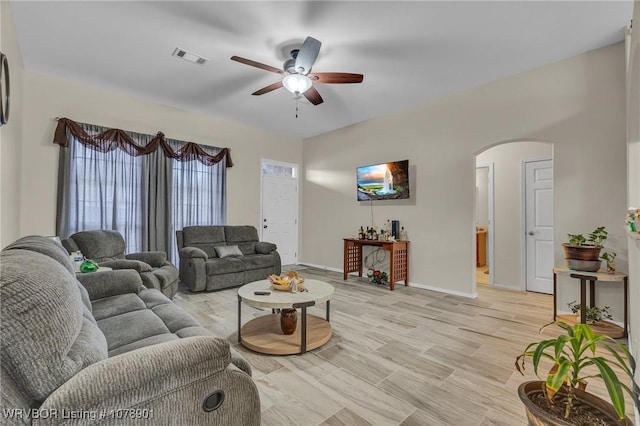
(298, 78)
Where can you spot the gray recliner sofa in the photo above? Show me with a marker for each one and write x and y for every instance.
(108, 350)
(107, 248)
(206, 265)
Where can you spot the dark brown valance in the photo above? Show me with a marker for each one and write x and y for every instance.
(111, 139)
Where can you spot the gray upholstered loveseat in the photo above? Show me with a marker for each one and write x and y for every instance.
(107, 248)
(109, 350)
(203, 268)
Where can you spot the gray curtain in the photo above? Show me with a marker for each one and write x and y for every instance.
(146, 198)
(156, 194)
(199, 196)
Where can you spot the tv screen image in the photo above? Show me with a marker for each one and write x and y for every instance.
(385, 181)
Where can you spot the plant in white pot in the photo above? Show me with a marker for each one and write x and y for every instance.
(561, 398)
(583, 254)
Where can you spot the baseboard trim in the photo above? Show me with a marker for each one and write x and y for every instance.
(411, 284)
(504, 287)
(326, 268)
(473, 295)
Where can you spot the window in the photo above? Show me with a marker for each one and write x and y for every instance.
(146, 197)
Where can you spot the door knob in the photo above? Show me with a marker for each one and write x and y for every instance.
(532, 233)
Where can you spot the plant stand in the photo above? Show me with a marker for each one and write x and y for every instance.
(602, 327)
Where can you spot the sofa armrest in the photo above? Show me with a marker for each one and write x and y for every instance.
(263, 247)
(110, 283)
(153, 258)
(193, 252)
(167, 383)
(136, 265)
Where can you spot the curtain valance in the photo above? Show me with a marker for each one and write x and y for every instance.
(111, 139)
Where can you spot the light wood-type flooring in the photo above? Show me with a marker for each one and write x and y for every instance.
(407, 357)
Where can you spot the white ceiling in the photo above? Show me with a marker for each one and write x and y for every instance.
(409, 52)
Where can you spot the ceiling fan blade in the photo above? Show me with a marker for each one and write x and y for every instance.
(313, 96)
(257, 64)
(307, 55)
(268, 89)
(335, 77)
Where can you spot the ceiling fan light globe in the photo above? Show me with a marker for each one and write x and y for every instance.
(296, 83)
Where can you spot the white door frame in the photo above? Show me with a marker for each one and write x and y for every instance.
(523, 224)
(490, 216)
(296, 167)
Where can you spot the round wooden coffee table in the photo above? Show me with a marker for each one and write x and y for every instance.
(263, 334)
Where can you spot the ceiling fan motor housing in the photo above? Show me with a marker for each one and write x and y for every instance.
(290, 66)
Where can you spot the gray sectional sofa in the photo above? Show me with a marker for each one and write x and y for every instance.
(217, 257)
(107, 248)
(102, 348)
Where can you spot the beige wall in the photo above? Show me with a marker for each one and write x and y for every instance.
(508, 236)
(11, 133)
(482, 195)
(633, 194)
(576, 104)
(47, 98)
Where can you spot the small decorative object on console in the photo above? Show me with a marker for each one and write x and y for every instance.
(403, 235)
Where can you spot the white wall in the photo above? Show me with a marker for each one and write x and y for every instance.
(577, 104)
(10, 134)
(507, 170)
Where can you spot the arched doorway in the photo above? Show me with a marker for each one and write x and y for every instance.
(512, 254)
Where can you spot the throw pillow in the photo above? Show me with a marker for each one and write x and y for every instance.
(224, 251)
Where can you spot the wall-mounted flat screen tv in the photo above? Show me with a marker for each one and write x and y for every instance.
(385, 181)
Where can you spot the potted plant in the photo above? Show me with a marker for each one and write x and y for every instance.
(610, 258)
(561, 398)
(379, 277)
(593, 314)
(582, 253)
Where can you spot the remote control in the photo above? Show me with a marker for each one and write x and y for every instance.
(262, 293)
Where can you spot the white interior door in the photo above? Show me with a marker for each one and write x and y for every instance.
(280, 209)
(539, 225)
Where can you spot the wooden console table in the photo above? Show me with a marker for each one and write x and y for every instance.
(592, 277)
(398, 263)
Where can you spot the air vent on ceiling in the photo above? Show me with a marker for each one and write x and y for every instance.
(189, 56)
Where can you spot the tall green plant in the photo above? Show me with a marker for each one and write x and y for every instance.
(571, 353)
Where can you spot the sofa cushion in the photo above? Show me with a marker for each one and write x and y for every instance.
(100, 245)
(205, 238)
(258, 261)
(244, 237)
(152, 340)
(226, 251)
(47, 246)
(227, 265)
(50, 337)
(174, 317)
(117, 305)
(136, 265)
(130, 327)
(237, 234)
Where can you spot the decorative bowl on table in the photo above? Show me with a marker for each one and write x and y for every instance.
(286, 282)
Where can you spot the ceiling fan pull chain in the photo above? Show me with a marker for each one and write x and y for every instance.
(297, 101)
